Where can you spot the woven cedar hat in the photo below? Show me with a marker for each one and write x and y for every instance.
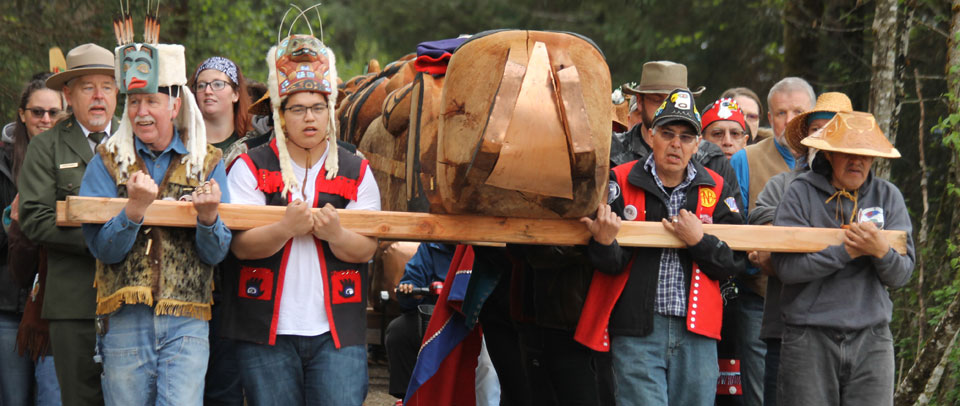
(678, 106)
(852, 132)
(661, 77)
(830, 102)
(86, 59)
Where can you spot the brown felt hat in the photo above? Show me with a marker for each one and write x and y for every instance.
(830, 102)
(86, 59)
(661, 77)
(852, 132)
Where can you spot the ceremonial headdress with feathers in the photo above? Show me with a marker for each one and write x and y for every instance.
(300, 63)
(149, 67)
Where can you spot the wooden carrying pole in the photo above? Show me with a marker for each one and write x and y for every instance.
(456, 228)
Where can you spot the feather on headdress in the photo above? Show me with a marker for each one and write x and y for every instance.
(143, 68)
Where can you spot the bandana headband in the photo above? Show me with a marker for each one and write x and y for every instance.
(221, 64)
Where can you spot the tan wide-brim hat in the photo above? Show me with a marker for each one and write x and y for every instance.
(852, 132)
(661, 77)
(830, 102)
(86, 59)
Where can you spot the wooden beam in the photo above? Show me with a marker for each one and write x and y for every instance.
(456, 228)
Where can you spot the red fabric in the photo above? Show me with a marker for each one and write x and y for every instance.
(725, 109)
(606, 289)
(454, 382)
(705, 303)
(431, 65)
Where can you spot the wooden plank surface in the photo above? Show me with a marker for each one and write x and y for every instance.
(456, 228)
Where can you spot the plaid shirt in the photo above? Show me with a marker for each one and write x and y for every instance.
(671, 297)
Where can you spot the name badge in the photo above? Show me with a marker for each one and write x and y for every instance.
(69, 165)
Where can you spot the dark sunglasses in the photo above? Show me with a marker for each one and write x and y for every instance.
(38, 112)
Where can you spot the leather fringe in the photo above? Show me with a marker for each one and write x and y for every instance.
(127, 295)
(170, 307)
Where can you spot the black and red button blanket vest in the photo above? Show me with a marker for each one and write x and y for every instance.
(704, 304)
(253, 288)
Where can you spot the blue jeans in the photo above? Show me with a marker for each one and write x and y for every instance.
(48, 388)
(752, 350)
(302, 370)
(671, 366)
(153, 360)
(16, 378)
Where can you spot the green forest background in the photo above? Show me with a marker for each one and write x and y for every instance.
(752, 43)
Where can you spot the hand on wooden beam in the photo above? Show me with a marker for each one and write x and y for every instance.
(865, 239)
(206, 199)
(606, 227)
(142, 191)
(686, 226)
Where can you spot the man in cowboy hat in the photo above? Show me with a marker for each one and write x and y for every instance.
(837, 347)
(670, 297)
(657, 80)
(52, 170)
(828, 104)
(755, 165)
(154, 284)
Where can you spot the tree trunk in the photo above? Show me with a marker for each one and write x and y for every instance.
(913, 384)
(882, 83)
(800, 21)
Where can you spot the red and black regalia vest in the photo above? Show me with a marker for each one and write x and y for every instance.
(704, 301)
(253, 288)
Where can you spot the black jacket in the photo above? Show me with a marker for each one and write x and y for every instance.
(633, 313)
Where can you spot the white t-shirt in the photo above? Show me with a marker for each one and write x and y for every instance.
(302, 311)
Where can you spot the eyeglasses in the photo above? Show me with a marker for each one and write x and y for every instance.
(38, 112)
(668, 136)
(217, 85)
(719, 133)
(299, 111)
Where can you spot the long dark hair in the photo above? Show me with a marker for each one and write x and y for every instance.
(241, 116)
(20, 136)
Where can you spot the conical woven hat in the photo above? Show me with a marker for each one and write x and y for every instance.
(797, 128)
(854, 133)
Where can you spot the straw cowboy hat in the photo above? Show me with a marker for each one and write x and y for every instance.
(797, 129)
(661, 77)
(852, 132)
(86, 59)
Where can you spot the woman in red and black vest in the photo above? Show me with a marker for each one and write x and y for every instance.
(658, 310)
(294, 294)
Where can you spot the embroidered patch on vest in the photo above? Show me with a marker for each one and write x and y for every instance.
(346, 287)
(256, 283)
(707, 197)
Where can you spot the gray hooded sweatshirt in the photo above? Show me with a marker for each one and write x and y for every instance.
(828, 288)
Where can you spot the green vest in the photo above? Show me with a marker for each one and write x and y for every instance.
(162, 269)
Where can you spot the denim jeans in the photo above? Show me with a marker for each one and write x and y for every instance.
(671, 366)
(16, 378)
(222, 387)
(48, 388)
(302, 370)
(751, 349)
(825, 366)
(153, 360)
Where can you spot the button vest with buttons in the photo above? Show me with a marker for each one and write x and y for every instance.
(704, 304)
